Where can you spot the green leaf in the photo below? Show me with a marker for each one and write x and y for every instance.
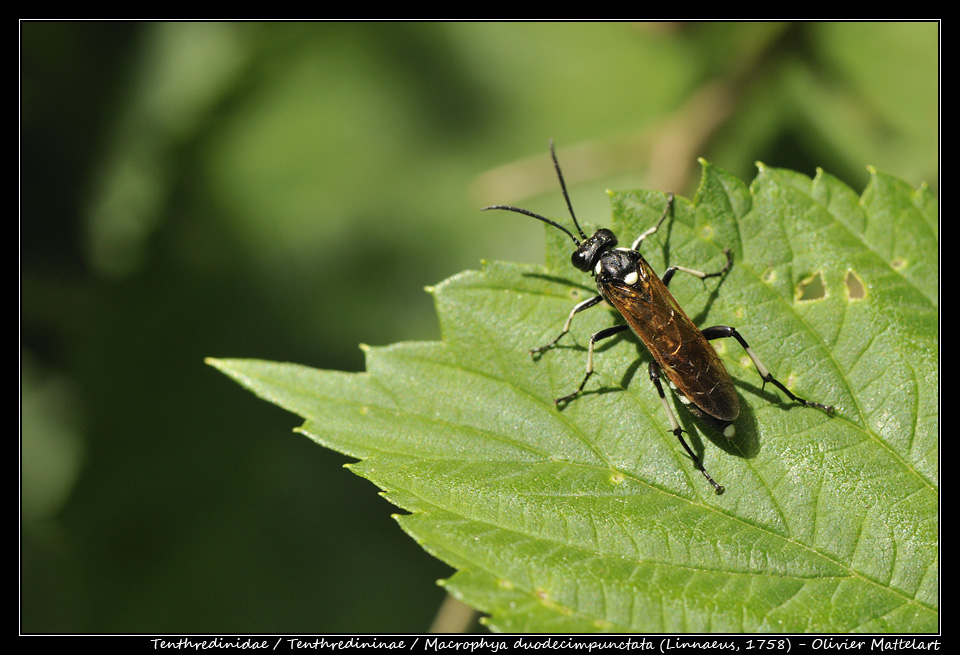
(593, 518)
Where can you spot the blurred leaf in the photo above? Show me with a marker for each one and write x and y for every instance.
(593, 518)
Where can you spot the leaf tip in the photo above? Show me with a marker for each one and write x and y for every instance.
(222, 365)
(363, 347)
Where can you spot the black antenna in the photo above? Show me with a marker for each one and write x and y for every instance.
(536, 216)
(563, 186)
(566, 197)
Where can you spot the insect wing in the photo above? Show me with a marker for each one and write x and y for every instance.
(681, 350)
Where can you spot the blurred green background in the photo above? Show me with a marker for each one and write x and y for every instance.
(285, 191)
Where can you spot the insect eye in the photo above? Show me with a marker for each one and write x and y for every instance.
(582, 258)
(590, 250)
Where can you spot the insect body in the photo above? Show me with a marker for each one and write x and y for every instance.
(680, 350)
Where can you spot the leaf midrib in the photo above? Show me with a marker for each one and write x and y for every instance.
(720, 512)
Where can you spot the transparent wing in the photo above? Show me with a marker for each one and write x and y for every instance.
(678, 346)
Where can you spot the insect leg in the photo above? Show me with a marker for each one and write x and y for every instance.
(668, 274)
(724, 331)
(654, 370)
(602, 334)
(586, 304)
(653, 230)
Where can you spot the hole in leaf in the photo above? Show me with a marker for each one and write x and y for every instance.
(855, 288)
(811, 288)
